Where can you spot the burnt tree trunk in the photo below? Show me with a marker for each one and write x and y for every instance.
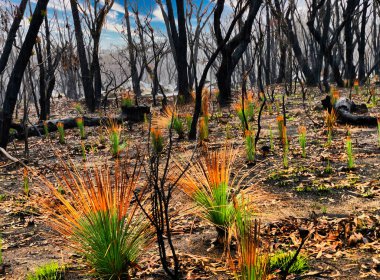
(233, 50)
(7, 48)
(131, 52)
(95, 71)
(18, 71)
(88, 87)
(178, 42)
(362, 42)
(349, 40)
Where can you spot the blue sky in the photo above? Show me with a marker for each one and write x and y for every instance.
(114, 23)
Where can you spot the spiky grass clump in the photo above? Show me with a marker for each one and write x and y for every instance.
(285, 159)
(280, 126)
(280, 260)
(114, 132)
(170, 119)
(80, 123)
(208, 183)
(250, 145)
(203, 128)
(61, 132)
(46, 129)
(178, 127)
(26, 181)
(356, 86)
(189, 120)
(253, 262)
(334, 96)
(302, 139)
(349, 152)
(79, 108)
(157, 140)
(127, 100)
(330, 120)
(98, 218)
(49, 271)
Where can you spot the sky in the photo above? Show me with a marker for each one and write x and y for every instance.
(114, 24)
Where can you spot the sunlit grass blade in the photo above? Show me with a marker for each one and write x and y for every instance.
(208, 183)
(253, 261)
(61, 132)
(302, 139)
(349, 152)
(97, 215)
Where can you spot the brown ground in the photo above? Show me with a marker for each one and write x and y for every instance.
(343, 208)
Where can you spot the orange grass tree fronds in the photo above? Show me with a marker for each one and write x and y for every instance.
(253, 260)
(96, 215)
(170, 119)
(209, 184)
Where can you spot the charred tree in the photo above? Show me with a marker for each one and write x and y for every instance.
(233, 50)
(7, 48)
(17, 74)
(178, 43)
(88, 87)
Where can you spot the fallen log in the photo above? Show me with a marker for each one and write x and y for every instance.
(38, 129)
(346, 109)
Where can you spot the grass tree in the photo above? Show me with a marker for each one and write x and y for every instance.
(96, 215)
(209, 184)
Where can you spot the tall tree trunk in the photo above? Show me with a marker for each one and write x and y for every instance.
(132, 58)
(376, 49)
(95, 71)
(233, 50)
(362, 42)
(7, 49)
(88, 87)
(268, 48)
(349, 40)
(19, 69)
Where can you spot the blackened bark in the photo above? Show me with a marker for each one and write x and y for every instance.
(88, 87)
(179, 41)
(132, 58)
(211, 60)
(376, 48)
(322, 39)
(233, 49)
(268, 48)
(7, 49)
(19, 69)
(349, 39)
(287, 28)
(362, 41)
(95, 70)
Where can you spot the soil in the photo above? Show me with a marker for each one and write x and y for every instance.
(340, 208)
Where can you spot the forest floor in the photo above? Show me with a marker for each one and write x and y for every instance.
(342, 207)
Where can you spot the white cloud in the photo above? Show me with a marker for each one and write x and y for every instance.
(118, 8)
(157, 14)
(59, 5)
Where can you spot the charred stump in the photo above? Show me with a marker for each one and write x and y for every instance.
(349, 113)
